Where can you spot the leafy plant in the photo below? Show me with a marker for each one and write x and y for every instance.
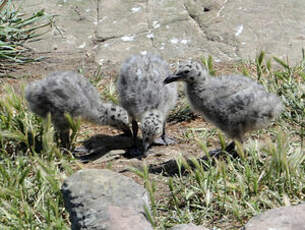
(235, 189)
(208, 63)
(150, 187)
(32, 169)
(15, 31)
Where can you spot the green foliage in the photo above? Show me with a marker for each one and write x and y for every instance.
(151, 188)
(109, 92)
(74, 126)
(182, 112)
(32, 168)
(233, 190)
(208, 63)
(96, 78)
(15, 30)
(289, 83)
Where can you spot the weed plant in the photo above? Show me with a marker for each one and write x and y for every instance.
(32, 169)
(15, 31)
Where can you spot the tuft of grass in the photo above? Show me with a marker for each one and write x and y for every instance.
(109, 92)
(181, 112)
(74, 124)
(234, 190)
(107, 86)
(208, 64)
(15, 31)
(288, 82)
(96, 78)
(151, 188)
(32, 168)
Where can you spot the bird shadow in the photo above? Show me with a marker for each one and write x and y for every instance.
(172, 167)
(99, 145)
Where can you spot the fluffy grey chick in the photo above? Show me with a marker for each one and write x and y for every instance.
(235, 104)
(69, 92)
(146, 99)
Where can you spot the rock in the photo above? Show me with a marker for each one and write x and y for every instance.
(74, 26)
(105, 200)
(187, 227)
(228, 30)
(109, 31)
(285, 218)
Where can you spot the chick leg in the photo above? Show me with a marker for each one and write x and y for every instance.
(164, 139)
(135, 129)
(229, 149)
(135, 150)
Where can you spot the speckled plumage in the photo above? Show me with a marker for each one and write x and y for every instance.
(69, 92)
(142, 92)
(235, 104)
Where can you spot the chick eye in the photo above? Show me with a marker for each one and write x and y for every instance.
(186, 71)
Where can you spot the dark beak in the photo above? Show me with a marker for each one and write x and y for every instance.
(172, 78)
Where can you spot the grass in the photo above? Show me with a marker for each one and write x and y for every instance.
(15, 31)
(227, 194)
(32, 169)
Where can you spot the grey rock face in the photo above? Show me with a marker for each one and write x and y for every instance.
(285, 218)
(75, 24)
(228, 30)
(187, 227)
(104, 200)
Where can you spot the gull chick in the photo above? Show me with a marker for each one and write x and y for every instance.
(235, 104)
(69, 92)
(146, 99)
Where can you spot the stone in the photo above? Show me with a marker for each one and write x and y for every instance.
(188, 227)
(109, 31)
(284, 218)
(227, 30)
(74, 24)
(100, 199)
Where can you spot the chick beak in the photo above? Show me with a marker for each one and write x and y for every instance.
(172, 78)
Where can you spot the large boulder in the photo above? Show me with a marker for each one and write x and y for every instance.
(285, 218)
(105, 200)
(109, 31)
(227, 30)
